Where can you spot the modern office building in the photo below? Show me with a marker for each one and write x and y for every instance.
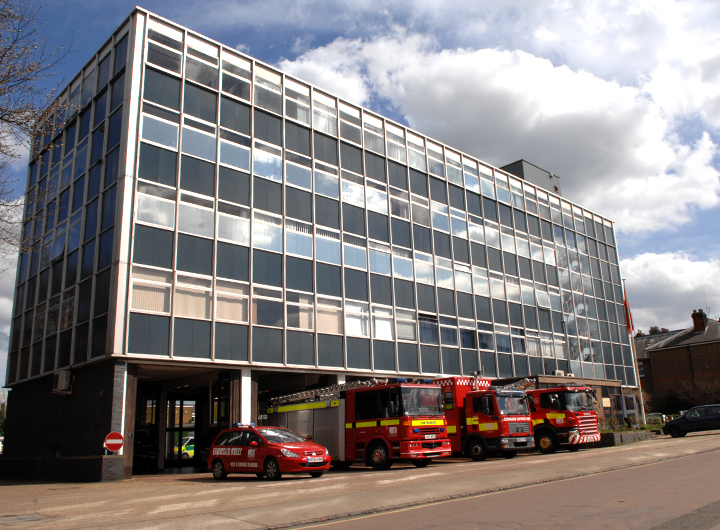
(207, 231)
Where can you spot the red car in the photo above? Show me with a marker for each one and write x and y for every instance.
(267, 452)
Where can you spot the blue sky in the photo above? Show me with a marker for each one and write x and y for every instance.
(620, 99)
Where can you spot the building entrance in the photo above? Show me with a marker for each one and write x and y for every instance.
(182, 413)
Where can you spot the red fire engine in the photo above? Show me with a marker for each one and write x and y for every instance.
(484, 419)
(563, 416)
(374, 421)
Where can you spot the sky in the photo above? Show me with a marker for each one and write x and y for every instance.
(621, 99)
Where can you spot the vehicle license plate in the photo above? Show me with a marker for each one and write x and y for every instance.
(430, 436)
(315, 459)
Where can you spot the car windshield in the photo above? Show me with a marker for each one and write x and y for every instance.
(577, 401)
(512, 406)
(281, 436)
(422, 401)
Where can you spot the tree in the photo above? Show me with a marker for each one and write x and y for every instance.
(26, 62)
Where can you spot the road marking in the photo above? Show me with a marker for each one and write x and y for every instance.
(185, 506)
(414, 477)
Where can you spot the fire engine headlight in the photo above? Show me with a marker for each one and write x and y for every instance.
(574, 431)
(289, 453)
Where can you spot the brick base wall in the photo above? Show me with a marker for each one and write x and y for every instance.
(61, 436)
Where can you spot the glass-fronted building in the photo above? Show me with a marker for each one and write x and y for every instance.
(191, 209)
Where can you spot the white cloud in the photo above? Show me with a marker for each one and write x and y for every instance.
(664, 289)
(612, 145)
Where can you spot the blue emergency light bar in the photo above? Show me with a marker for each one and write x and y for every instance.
(243, 425)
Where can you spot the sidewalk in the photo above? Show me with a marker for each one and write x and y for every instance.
(194, 500)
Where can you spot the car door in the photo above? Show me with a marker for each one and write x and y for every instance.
(255, 453)
(696, 420)
(713, 417)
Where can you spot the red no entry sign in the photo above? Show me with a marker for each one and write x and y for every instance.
(114, 441)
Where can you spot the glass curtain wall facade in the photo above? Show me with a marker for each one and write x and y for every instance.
(272, 224)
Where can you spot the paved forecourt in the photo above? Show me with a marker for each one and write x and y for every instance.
(185, 501)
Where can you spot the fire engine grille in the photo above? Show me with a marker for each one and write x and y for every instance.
(431, 445)
(588, 425)
(429, 430)
(519, 427)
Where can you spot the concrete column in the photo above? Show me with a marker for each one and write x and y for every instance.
(340, 379)
(246, 395)
(128, 431)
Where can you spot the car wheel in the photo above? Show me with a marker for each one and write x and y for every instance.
(573, 448)
(675, 432)
(546, 443)
(317, 474)
(507, 455)
(425, 462)
(272, 469)
(378, 456)
(185, 456)
(218, 470)
(477, 450)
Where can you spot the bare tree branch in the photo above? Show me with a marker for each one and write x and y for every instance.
(25, 62)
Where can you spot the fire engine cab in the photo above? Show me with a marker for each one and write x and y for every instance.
(563, 416)
(484, 419)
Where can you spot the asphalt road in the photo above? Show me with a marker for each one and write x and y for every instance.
(664, 481)
(678, 494)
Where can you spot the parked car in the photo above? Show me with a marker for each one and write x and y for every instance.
(266, 451)
(656, 417)
(703, 418)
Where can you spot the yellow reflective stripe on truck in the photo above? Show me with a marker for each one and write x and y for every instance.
(305, 406)
(389, 422)
(451, 429)
(487, 426)
(555, 416)
(471, 421)
(366, 424)
(419, 423)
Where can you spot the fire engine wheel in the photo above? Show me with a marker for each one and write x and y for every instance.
(509, 454)
(573, 448)
(477, 450)
(378, 456)
(546, 443)
(218, 470)
(317, 474)
(272, 469)
(425, 462)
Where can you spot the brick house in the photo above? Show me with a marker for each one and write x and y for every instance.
(686, 361)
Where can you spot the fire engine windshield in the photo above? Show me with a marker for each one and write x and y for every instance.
(512, 406)
(577, 401)
(422, 401)
(281, 436)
